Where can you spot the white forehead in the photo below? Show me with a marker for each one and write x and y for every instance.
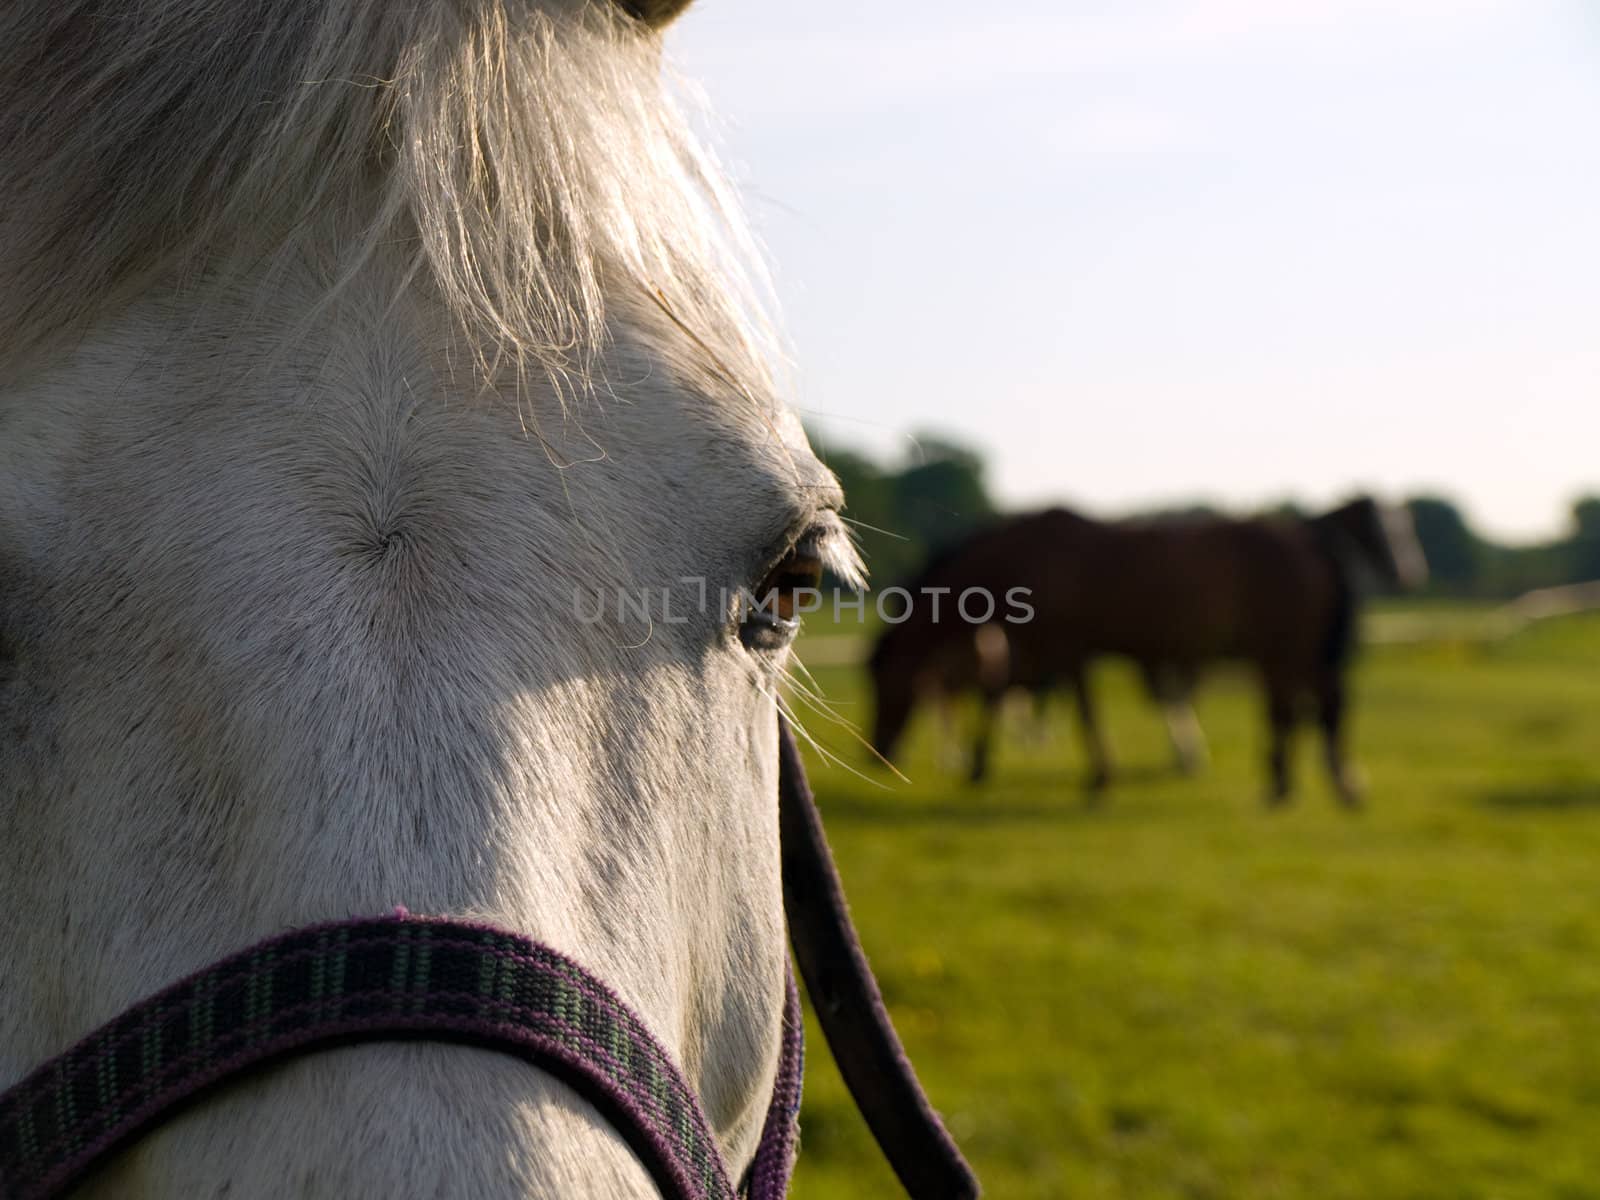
(358, 460)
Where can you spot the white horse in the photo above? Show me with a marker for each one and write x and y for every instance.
(342, 343)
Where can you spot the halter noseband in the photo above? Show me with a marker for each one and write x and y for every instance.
(405, 977)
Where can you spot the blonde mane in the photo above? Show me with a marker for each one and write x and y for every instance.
(531, 156)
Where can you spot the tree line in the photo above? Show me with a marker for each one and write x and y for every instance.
(1461, 562)
(903, 512)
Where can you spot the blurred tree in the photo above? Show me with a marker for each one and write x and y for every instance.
(866, 488)
(1289, 509)
(901, 516)
(942, 496)
(1454, 552)
(1512, 570)
(868, 504)
(1583, 552)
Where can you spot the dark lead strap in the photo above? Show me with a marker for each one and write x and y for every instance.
(848, 1005)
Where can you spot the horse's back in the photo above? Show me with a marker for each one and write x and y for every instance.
(1183, 591)
(1213, 588)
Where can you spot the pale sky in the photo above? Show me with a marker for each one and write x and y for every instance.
(1226, 249)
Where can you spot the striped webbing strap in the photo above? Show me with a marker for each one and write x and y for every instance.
(388, 978)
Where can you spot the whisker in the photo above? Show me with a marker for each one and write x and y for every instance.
(828, 756)
(899, 537)
(823, 707)
(805, 680)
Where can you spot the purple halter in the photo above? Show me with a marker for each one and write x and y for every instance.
(406, 977)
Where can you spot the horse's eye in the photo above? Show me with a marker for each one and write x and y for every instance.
(770, 616)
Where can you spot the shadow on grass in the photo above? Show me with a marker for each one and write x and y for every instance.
(852, 810)
(1051, 795)
(1546, 797)
(1131, 776)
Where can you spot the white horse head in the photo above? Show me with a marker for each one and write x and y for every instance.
(349, 349)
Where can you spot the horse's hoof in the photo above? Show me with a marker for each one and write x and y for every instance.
(1352, 790)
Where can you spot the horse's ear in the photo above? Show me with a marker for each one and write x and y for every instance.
(655, 13)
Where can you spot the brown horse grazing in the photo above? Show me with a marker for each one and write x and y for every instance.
(1173, 595)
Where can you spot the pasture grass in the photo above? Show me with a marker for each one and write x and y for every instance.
(1181, 994)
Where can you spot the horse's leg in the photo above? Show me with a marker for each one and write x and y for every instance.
(980, 747)
(1172, 687)
(1330, 712)
(1280, 721)
(950, 748)
(1094, 742)
(1038, 715)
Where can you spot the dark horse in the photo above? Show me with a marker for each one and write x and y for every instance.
(1171, 594)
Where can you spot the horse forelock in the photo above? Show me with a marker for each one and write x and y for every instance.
(530, 156)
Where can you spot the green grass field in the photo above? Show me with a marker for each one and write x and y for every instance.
(1182, 994)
